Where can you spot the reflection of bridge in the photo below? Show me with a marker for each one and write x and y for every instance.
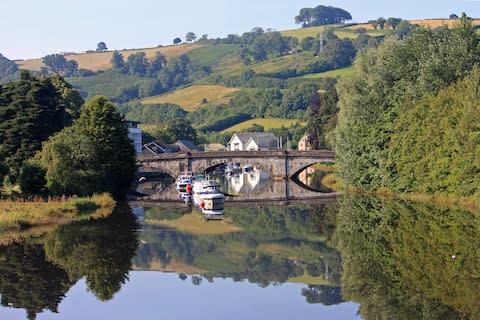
(277, 193)
(279, 163)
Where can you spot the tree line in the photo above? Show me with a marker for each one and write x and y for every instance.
(51, 142)
(407, 119)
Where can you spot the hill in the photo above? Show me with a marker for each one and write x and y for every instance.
(101, 60)
(266, 123)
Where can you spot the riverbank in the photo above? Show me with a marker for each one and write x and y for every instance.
(24, 214)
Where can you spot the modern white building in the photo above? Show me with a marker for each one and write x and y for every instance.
(135, 135)
(251, 141)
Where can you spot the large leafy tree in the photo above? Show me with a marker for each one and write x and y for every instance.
(94, 155)
(181, 129)
(321, 15)
(118, 63)
(31, 110)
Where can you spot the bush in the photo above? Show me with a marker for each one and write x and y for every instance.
(32, 179)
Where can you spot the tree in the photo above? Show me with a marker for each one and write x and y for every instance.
(55, 62)
(117, 62)
(453, 16)
(181, 129)
(32, 179)
(101, 46)
(322, 15)
(393, 22)
(93, 156)
(138, 64)
(177, 40)
(8, 68)
(381, 23)
(157, 64)
(190, 36)
(31, 110)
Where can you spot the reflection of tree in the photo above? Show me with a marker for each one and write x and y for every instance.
(292, 230)
(28, 281)
(100, 250)
(397, 259)
(325, 295)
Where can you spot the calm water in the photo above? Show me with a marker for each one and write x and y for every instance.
(359, 258)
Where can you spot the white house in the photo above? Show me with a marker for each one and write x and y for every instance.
(250, 141)
(135, 135)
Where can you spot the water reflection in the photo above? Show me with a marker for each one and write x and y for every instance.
(398, 260)
(409, 261)
(36, 274)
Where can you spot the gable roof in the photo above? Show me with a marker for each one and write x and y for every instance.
(264, 141)
(244, 137)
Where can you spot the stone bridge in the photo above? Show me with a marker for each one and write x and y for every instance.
(278, 163)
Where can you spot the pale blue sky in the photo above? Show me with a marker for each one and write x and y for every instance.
(35, 28)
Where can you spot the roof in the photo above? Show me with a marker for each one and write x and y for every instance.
(256, 136)
(264, 141)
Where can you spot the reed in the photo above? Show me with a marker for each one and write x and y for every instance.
(22, 213)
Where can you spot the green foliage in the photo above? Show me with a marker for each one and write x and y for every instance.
(101, 46)
(57, 63)
(181, 129)
(117, 61)
(323, 120)
(408, 261)
(435, 144)
(32, 179)
(31, 110)
(321, 15)
(8, 69)
(93, 156)
(387, 81)
(159, 114)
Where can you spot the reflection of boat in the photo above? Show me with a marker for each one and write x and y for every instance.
(212, 214)
(202, 186)
(183, 181)
(212, 204)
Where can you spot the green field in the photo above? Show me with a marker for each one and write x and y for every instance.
(219, 57)
(337, 73)
(342, 31)
(190, 98)
(108, 84)
(270, 123)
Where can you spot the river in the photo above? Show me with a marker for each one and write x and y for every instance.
(357, 257)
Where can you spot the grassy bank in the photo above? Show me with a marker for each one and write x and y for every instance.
(25, 214)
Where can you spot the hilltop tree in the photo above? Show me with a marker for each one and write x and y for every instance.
(190, 36)
(101, 46)
(381, 23)
(177, 41)
(322, 15)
